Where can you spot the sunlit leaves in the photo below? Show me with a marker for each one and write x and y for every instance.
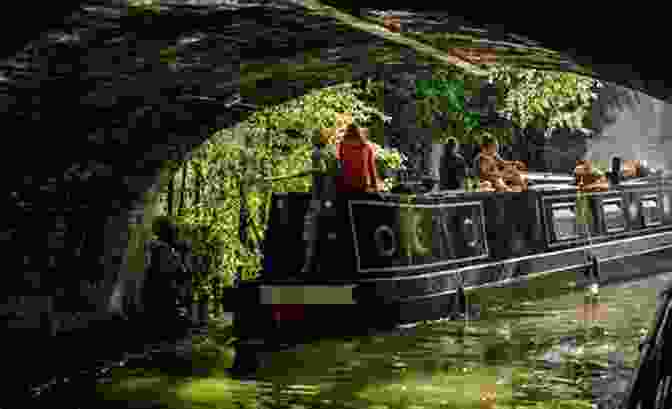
(138, 7)
(544, 99)
(445, 96)
(274, 141)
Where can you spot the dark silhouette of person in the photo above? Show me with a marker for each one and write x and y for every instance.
(160, 291)
(453, 167)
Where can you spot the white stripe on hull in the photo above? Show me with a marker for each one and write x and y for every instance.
(307, 294)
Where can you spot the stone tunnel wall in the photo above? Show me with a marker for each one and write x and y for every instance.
(65, 233)
(67, 257)
(70, 221)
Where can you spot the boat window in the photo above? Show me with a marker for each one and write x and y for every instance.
(614, 216)
(564, 222)
(650, 212)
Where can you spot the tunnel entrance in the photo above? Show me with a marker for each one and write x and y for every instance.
(111, 99)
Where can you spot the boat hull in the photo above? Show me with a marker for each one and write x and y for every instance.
(300, 310)
(372, 273)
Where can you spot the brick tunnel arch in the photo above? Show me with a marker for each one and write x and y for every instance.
(98, 104)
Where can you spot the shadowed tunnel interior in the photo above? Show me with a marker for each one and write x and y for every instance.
(97, 97)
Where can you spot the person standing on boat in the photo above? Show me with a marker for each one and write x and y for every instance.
(358, 160)
(453, 168)
(322, 190)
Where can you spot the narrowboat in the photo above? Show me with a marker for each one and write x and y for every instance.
(386, 259)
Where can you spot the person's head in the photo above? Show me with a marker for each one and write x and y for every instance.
(164, 228)
(343, 119)
(325, 136)
(489, 145)
(452, 145)
(353, 134)
(583, 167)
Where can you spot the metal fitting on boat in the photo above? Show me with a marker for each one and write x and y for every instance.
(633, 210)
(667, 208)
(470, 235)
(595, 267)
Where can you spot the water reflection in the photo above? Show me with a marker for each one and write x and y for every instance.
(526, 349)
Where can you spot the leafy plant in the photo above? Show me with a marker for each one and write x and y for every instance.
(275, 141)
(229, 173)
(545, 100)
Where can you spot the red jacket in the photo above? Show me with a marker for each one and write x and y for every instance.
(359, 168)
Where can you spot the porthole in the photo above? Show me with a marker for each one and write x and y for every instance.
(386, 241)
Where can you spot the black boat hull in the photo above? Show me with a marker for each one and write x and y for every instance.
(510, 239)
(362, 306)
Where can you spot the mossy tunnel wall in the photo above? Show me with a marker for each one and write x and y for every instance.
(96, 103)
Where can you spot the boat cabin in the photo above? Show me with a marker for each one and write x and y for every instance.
(381, 234)
(391, 258)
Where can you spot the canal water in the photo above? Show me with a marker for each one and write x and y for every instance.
(536, 346)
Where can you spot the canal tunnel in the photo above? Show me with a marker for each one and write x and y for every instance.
(99, 100)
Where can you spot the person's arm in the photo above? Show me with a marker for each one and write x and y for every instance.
(600, 184)
(372, 169)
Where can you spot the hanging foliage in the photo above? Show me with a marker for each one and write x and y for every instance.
(545, 100)
(279, 142)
